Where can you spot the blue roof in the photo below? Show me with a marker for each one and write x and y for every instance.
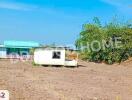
(21, 44)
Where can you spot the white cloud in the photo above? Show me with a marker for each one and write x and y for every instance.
(27, 7)
(121, 5)
(118, 3)
(112, 2)
(17, 6)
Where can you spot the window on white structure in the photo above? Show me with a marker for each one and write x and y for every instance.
(56, 55)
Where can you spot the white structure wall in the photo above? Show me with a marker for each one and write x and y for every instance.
(71, 63)
(45, 56)
(3, 52)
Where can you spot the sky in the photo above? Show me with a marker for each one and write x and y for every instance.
(55, 21)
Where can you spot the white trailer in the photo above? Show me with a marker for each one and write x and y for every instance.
(53, 56)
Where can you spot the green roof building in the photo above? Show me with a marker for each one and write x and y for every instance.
(17, 48)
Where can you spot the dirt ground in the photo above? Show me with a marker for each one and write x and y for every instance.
(89, 81)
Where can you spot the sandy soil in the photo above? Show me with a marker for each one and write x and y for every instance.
(89, 81)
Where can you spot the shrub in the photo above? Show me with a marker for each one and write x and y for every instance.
(109, 34)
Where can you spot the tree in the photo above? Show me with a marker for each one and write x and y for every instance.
(92, 48)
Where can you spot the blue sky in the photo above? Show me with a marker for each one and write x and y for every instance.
(55, 21)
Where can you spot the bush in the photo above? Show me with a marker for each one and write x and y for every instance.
(104, 40)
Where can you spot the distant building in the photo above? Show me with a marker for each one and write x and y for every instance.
(16, 48)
